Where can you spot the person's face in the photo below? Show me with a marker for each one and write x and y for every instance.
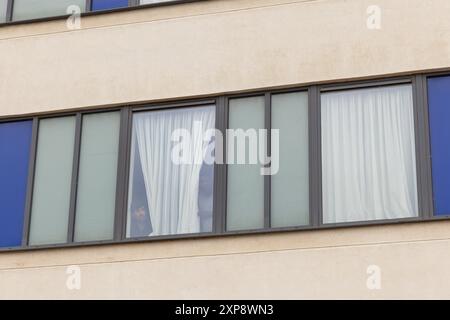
(139, 213)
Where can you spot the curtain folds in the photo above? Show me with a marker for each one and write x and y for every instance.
(171, 189)
(368, 154)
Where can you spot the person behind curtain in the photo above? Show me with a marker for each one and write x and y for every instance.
(140, 223)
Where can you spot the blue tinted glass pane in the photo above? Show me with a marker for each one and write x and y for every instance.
(108, 4)
(15, 139)
(439, 106)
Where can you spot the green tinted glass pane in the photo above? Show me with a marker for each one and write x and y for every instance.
(33, 9)
(245, 204)
(3, 5)
(97, 177)
(52, 182)
(290, 185)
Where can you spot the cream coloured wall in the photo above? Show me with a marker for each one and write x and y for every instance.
(214, 46)
(413, 260)
(207, 48)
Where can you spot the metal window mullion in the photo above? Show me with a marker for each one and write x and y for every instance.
(267, 178)
(315, 161)
(422, 143)
(132, 3)
(74, 185)
(225, 165)
(30, 182)
(427, 162)
(220, 170)
(129, 137)
(122, 175)
(9, 10)
(88, 6)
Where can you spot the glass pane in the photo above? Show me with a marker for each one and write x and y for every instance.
(290, 186)
(245, 204)
(3, 6)
(439, 108)
(96, 193)
(368, 155)
(169, 194)
(15, 139)
(52, 181)
(32, 9)
(108, 4)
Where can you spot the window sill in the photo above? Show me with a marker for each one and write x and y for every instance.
(350, 225)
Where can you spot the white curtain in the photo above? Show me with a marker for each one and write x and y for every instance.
(368, 154)
(171, 189)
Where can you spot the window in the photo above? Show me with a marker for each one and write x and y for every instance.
(33, 9)
(290, 185)
(15, 140)
(52, 181)
(108, 4)
(171, 192)
(289, 179)
(368, 155)
(3, 9)
(348, 155)
(439, 112)
(96, 196)
(245, 199)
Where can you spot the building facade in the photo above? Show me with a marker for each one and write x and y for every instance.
(356, 92)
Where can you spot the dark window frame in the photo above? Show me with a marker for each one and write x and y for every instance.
(75, 170)
(267, 94)
(424, 89)
(121, 235)
(420, 130)
(419, 87)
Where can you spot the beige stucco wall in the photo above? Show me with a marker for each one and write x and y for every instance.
(208, 48)
(413, 259)
(214, 46)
